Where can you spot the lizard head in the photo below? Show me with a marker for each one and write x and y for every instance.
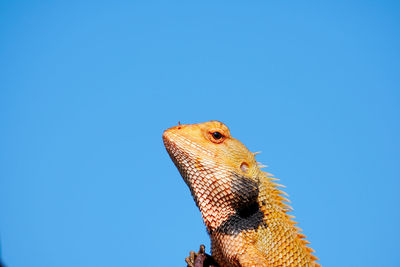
(218, 168)
(208, 144)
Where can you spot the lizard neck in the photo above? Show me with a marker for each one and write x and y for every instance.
(228, 202)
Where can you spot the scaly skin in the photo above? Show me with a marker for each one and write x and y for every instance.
(243, 210)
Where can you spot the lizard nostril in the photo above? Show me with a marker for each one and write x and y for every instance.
(244, 167)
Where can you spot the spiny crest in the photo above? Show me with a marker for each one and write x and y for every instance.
(280, 196)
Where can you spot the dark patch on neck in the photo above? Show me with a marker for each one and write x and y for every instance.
(244, 189)
(248, 215)
(248, 210)
(236, 224)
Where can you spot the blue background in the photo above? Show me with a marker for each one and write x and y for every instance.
(87, 88)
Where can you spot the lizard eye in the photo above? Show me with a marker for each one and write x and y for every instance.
(217, 135)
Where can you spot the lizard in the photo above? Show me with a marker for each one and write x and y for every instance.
(243, 209)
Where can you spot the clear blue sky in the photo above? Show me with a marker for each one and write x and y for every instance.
(87, 87)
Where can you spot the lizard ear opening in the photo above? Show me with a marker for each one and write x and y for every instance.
(244, 167)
